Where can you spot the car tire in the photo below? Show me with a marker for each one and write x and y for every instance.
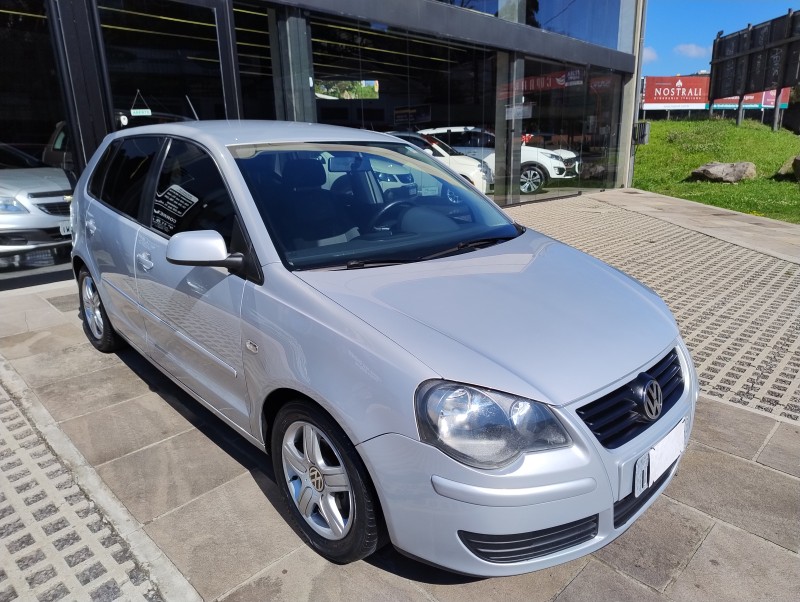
(531, 178)
(324, 484)
(96, 324)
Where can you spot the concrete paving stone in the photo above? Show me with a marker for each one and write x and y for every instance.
(730, 429)
(93, 391)
(226, 536)
(159, 478)
(659, 545)
(598, 582)
(17, 322)
(66, 303)
(45, 368)
(131, 425)
(41, 341)
(783, 450)
(13, 304)
(751, 497)
(734, 565)
(305, 575)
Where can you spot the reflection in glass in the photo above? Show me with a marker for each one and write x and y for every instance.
(254, 54)
(163, 60)
(593, 21)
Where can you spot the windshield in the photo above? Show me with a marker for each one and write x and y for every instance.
(356, 204)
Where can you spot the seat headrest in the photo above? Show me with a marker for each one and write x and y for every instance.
(304, 173)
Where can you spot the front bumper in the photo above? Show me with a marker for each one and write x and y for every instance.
(17, 242)
(545, 509)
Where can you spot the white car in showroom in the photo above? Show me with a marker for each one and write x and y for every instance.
(473, 170)
(422, 370)
(537, 165)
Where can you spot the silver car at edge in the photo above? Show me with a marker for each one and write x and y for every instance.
(422, 371)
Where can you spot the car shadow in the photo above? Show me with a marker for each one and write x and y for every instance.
(258, 464)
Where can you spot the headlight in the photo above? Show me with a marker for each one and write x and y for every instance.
(485, 169)
(10, 205)
(553, 157)
(483, 428)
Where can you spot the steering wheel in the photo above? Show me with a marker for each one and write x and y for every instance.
(376, 219)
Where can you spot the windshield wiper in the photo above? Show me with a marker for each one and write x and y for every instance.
(355, 264)
(470, 245)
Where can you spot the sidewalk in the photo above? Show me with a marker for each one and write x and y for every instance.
(136, 492)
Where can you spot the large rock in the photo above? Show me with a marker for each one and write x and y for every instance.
(790, 169)
(726, 172)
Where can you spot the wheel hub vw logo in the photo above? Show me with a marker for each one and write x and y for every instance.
(653, 400)
(315, 476)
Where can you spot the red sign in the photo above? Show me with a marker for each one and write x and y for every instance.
(672, 91)
(691, 92)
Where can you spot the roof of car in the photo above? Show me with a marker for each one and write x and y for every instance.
(231, 132)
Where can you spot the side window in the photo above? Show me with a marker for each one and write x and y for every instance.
(98, 177)
(459, 139)
(127, 174)
(191, 194)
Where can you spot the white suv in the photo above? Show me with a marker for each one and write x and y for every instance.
(473, 170)
(537, 164)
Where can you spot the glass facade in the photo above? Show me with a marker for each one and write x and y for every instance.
(598, 22)
(537, 126)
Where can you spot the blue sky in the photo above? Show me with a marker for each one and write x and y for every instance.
(679, 33)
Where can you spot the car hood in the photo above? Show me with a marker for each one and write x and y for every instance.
(36, 179)
(461, 162)
(532, 317)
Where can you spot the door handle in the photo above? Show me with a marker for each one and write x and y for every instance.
(144, 261)
(91, 227)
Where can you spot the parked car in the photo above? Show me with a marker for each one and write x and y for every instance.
(423, 370)
(34, 213)
(537, 167)
(474, 171)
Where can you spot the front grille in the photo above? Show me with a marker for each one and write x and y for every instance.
(569, 163)
(54, 208)
(630, 505)
(615, 419)
(49, 194)
(527, 546)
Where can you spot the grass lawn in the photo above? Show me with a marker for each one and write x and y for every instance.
(677, 147)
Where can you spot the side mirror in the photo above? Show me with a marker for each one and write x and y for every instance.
(202, 248)
(427, 151)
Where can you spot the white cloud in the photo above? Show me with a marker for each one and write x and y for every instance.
(693, 51)
(649, 54)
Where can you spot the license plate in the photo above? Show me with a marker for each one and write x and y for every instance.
(65, 228)
(659, 458)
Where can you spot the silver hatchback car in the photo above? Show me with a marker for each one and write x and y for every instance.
(421, 370)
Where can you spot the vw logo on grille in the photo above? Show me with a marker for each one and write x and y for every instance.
(315, 476)
(652, 400)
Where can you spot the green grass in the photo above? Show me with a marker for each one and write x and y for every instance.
(677, 147)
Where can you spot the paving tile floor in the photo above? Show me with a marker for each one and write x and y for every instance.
(738, 309)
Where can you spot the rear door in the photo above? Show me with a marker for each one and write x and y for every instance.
(192, 314)
(112, 223)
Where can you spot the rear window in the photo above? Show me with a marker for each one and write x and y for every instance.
(126, 174)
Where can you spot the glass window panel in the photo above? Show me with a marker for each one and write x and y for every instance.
(127, 174)
(163, 61)
(254, 53)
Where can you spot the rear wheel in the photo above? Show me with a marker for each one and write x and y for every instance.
(531, 178)
(324, 484)
(95, 320)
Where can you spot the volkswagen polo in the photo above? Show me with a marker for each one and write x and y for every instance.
(422, 371)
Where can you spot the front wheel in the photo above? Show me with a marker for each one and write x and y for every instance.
(324, 484)
(531, 179)
(96, 325)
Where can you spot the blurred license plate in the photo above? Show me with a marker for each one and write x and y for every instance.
(661, 456)
(65, 228)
